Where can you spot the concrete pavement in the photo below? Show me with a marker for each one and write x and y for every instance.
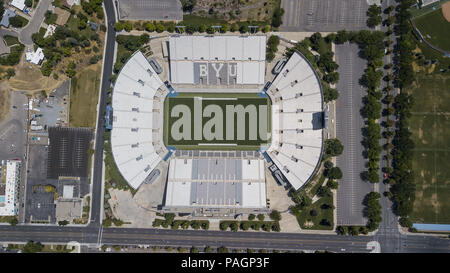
(35, 23)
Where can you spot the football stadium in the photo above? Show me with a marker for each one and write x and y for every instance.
(218, 121)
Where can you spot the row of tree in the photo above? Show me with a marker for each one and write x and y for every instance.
(246, 225)
(403, 188)
(190, 28)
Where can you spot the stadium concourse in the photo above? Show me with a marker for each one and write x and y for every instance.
(219, 180)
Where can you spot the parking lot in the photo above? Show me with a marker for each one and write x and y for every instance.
(53, 110)
(349, 125)
(12, 130)
(150, 10)
(324, 15)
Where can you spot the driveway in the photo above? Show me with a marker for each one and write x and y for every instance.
(35, 23)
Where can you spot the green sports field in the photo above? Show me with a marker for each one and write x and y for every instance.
(435, 29)
(196, 103)
(430, 127)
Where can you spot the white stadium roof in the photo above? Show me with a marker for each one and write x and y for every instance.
(216, 182)
(297, 134)
(132, 138)
(243, 55)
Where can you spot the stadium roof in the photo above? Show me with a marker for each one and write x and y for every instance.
(233, 59)
(297, 121)
(216, 182)
(134, 119)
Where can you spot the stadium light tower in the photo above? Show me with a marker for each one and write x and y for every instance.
(253, 29)
(180, 29)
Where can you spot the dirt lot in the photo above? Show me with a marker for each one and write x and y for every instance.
(4, 101)
(84, 97)
(446, 11)
(258, 10)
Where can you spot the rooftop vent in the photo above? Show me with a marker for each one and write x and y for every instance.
(141, 82)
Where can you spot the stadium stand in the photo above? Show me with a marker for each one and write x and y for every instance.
(217, 60)
(297, 121)
(135, 136)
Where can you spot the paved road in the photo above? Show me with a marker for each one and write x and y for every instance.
(349, 125)
(98, 155)
(324, 15)
(35, 23)
(4, 32)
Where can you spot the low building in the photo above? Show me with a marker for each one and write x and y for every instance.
(10, 178)
(216, 186)
(68, 209)
(69, 3)
(19, 4)
(35, 57)
(6, 15)
(63, 16)
(50, 31)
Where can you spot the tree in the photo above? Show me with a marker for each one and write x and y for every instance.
(188, 5)
(243, 29)
(32, 247)
(118, 26)
(374, 14)
(275, 215)
(333, 147)
(251, 217)
(13, 221)
(277, 17)
(331, 78)
(194, 249)
(160, 28)
(334, 173)
(17, 21)
(342, 230)
(2, 9)
(207, 249)
(150, 27)
(28, 3)
(328, 164)
(10, 73)
(332, 184)
(313, 213)
(405, 222)
(354, 230)
(222, 249)
(63, 223)
(261, 217)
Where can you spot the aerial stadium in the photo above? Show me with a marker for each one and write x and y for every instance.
(222, 121)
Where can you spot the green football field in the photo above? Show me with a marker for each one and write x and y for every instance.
(430, 128)
(222, 141)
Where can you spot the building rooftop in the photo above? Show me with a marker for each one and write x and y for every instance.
(6, 15)
(216, 182)
(217, 60)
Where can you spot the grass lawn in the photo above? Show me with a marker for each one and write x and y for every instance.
(11, 40)
(430, 127)
(84, 97)
(221, 100)
(435, 25)
(304, 218)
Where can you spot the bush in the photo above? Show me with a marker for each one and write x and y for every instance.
(251, 217)
(277, 17)
(275, 215)
(18, 21)
(260, 217)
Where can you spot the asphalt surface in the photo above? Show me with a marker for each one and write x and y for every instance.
(324, 15)
(349, 125)
(150, 10)
(35, 23)
(98, 155)
(12, 129)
